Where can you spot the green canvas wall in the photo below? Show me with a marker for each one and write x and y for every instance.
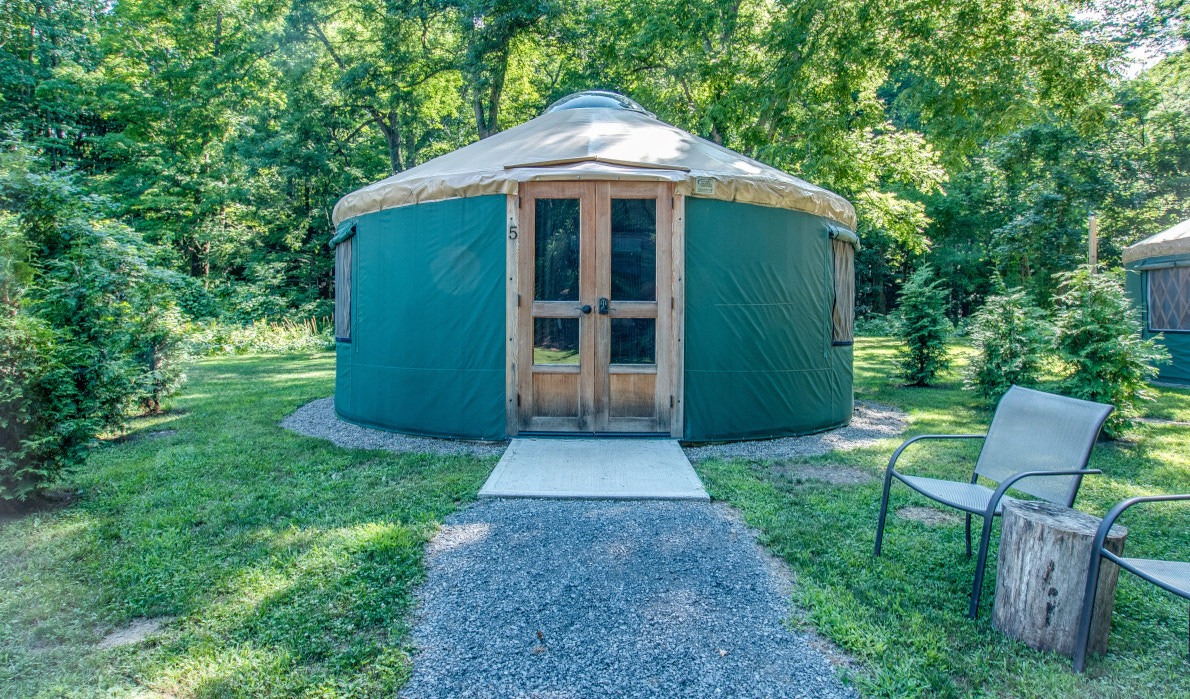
(759, 360)
(427, 352)
(1177, 370)
(427, 349)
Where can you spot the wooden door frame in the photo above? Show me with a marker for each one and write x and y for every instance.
(518, 310)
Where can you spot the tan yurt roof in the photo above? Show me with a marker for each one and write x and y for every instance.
(617, 141)
(1174, 241)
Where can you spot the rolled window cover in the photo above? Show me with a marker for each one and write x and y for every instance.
(843, 310)
(343, 290)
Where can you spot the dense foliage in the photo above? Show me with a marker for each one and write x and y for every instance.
(1099, 339)
(975, 136)
(1011, 336)
(205, 143)
(923, 328)
(88, 332)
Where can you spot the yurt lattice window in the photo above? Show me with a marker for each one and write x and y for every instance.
(1169, 299)
(843, 309)
(343, 290)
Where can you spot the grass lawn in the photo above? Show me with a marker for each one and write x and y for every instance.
(283, 566)
(903, 616)
(280, 565)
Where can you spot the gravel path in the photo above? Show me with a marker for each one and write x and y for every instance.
(566, 599)
(317, 419)
(870, 423)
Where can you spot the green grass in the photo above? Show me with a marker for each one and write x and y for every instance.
(283, 566)
(903, 616)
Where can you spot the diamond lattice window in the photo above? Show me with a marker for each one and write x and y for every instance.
(1169, 299)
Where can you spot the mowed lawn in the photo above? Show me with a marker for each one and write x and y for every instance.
(283, 566)
(903, 617)
(278, 565)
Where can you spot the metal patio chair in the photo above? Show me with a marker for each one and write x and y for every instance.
(1038, 443)
(1172, 576)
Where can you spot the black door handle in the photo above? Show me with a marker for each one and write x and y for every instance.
(585, 309)
(603, 307)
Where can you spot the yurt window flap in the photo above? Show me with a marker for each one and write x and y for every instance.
(344, 243)
(1169, 299)
(843, 246)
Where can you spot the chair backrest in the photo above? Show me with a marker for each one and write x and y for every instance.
(1037, 431)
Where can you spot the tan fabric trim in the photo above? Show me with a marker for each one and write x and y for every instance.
(762, 191)
(1142, 251)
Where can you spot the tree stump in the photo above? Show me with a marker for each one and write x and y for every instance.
(1042, 576)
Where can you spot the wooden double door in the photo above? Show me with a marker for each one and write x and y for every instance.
(595, 307)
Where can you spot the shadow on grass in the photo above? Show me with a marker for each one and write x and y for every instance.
(287, 564)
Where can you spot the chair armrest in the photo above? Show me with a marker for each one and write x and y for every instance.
(1097, 549)
(897, 454)
(1115, 512)
(1008, 482)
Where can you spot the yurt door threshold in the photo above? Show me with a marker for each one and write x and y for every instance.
(592, 308)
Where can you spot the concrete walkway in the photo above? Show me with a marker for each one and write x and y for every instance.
(618, 469)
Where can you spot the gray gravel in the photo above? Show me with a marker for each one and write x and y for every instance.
(870, 423)
(562, 599)
(317, 419)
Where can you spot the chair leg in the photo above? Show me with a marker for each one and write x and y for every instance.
(980, 564)
(1084, 620)
(883, 511)
(968, 535)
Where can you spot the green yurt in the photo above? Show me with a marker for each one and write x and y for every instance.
(1158, 280)
(594, 271)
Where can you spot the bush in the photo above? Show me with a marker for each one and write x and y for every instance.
(875, 325)
(261, 337)
(923, 328)
(89, 332)
(1099, 340)
(1011, 337)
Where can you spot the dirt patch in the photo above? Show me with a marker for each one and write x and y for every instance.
(929, 516)
(141, 436)
(1162, 421)
(824, 473)
(40, 502)
(135, 632)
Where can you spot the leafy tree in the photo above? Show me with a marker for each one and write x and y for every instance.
(923, 328)
(1011, 336)
(85, 334)
(1099, 339)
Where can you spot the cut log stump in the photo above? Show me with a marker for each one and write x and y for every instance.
(1042, 574)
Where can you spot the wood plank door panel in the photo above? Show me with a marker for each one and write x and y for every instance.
(594, 304)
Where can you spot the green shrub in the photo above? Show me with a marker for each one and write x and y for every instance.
(1099, 341)
(89, 331)
(875, 325)
(1011, 337)
(261, 337)
(923, 328)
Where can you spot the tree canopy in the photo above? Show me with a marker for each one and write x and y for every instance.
(975, 137)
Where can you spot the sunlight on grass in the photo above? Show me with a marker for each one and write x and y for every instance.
(282, 565)
(903, 616)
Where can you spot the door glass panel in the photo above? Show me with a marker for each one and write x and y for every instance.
(555, 340)
(556, 250)
(634, 249)
(634, 341)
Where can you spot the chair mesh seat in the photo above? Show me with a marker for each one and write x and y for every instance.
(1173, 573)
(970, 497)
